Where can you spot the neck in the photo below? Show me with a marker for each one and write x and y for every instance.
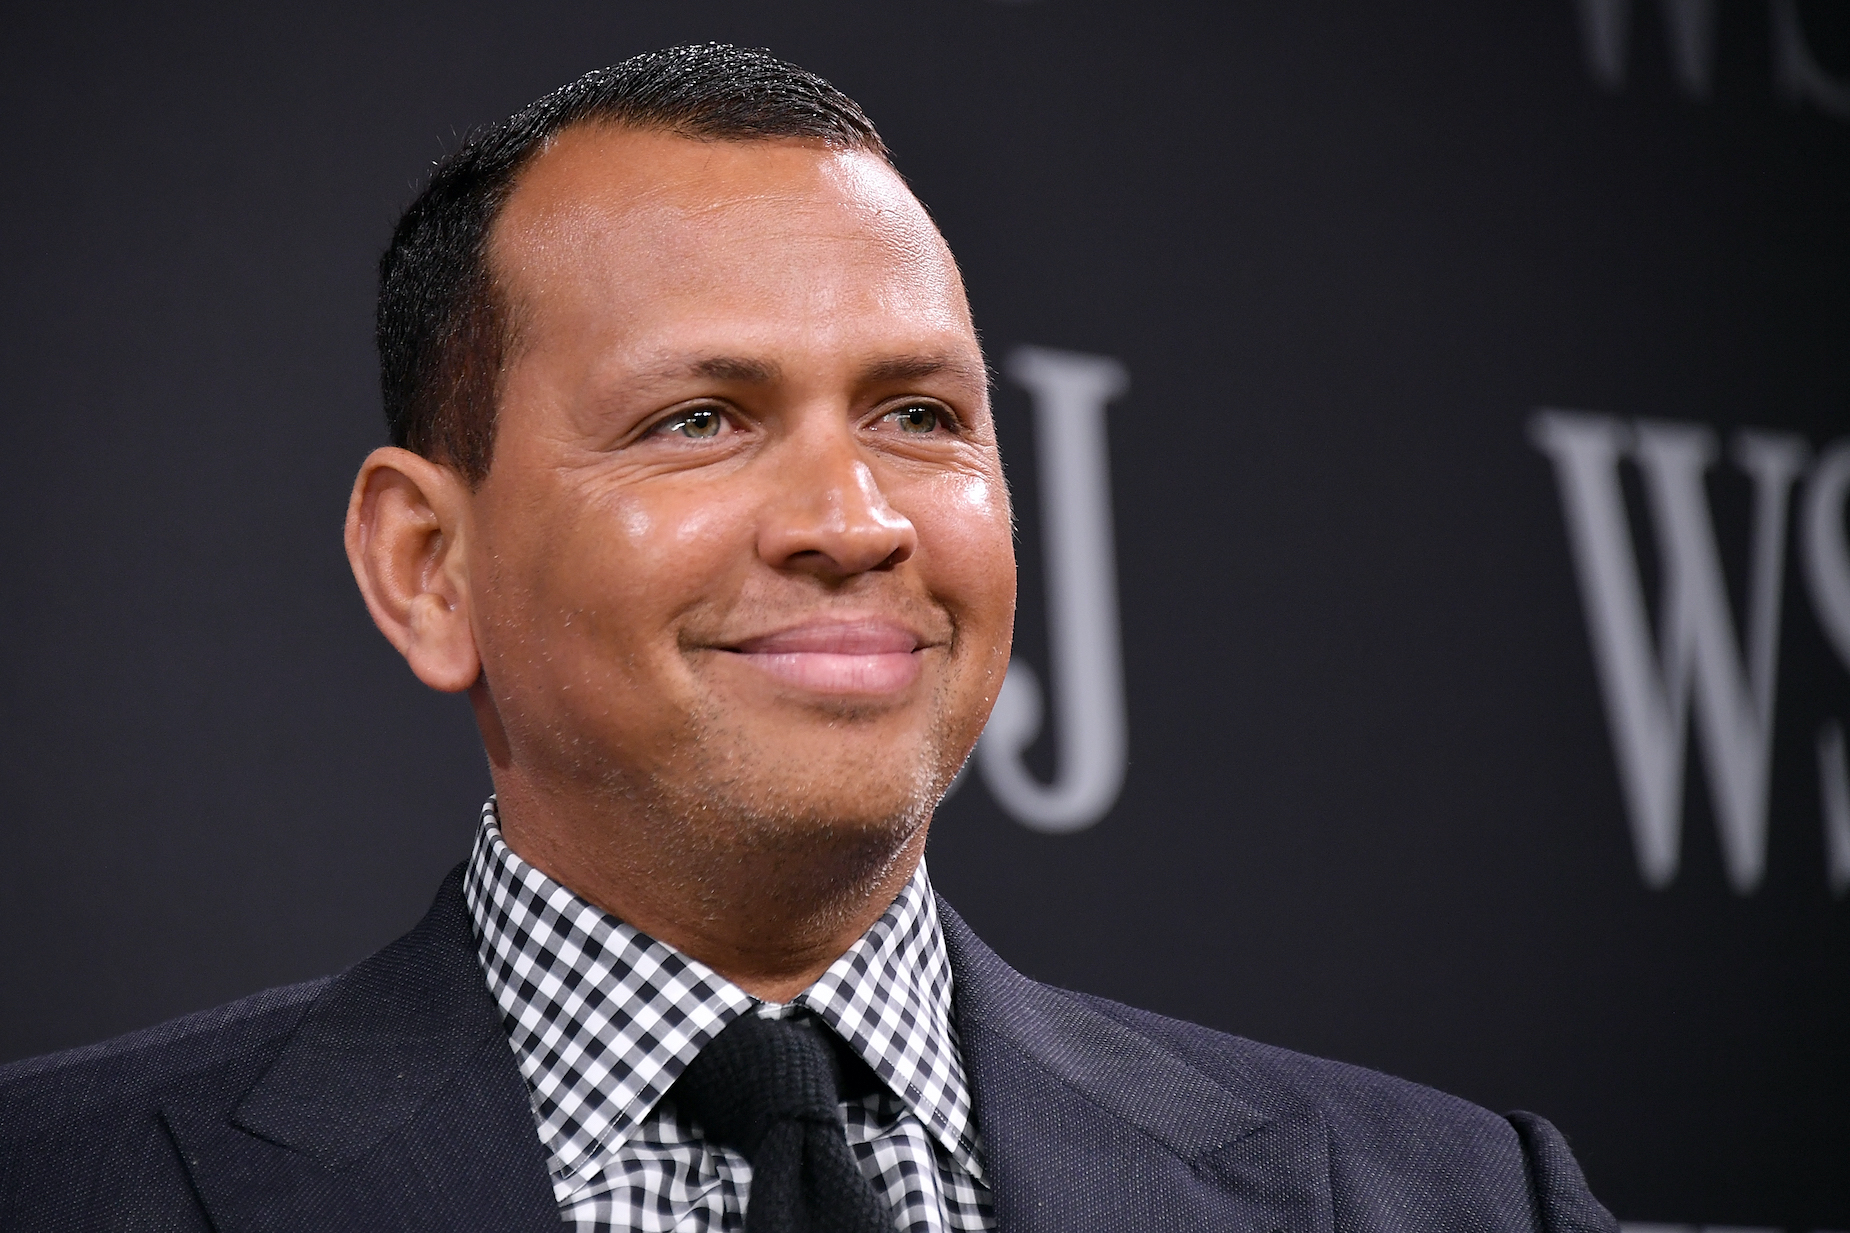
(767, 904)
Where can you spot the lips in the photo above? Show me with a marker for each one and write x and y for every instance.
(868, 657)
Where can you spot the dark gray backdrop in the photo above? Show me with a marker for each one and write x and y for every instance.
(1344, 250)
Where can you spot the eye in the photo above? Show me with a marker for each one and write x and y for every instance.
(700, 424)
(919, 419)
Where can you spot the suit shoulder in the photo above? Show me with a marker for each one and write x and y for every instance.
(1341, 1091)
(205, 1051)
(1402, 1155)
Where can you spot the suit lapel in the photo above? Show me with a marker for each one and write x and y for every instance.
(397, 1103)
(1089, 1125)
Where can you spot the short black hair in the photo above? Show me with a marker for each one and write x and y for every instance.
(442, 325)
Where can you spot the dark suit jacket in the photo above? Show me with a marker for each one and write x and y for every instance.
(387, 1098)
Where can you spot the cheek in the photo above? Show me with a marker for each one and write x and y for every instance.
(643, 522)
(641, 556)
(692, 527)
(965, 529)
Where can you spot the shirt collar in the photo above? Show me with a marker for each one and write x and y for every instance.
(603, 1018)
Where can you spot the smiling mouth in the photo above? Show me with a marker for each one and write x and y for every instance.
(866, 657)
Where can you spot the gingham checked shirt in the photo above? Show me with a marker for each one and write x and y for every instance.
(604, 1018)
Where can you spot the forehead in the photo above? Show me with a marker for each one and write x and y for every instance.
(643, 231)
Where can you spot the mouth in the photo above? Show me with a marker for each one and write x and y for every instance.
(869, 656)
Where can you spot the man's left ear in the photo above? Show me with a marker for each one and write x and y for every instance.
(407, 523)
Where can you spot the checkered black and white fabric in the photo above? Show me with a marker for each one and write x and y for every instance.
(603, 1019)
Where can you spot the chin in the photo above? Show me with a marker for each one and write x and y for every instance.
(807, 803)
(839, 808)
(785, 781)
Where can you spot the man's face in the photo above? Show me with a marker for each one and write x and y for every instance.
(744, 551)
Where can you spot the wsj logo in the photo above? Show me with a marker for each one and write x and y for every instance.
(1689, 29)
(1693, 664)
(1070, 392)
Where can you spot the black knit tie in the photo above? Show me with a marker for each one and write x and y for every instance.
(769, 1088)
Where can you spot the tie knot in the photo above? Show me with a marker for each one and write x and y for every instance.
(757, 1074)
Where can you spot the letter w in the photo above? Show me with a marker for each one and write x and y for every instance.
(1697, 657)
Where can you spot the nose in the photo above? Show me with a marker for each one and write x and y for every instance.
(828, 516)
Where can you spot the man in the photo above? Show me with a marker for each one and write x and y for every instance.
(695, 493)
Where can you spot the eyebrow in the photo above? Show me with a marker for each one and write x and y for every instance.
(749, 371)
(915, 367)
(735, 368)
